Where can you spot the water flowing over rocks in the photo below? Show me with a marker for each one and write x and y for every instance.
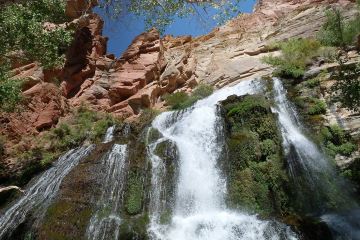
(168, 180)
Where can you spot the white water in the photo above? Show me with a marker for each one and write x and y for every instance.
(105, 223)
(200, 212)
(309, 155)
(38, 196)
(109, 135)
(345, 226)
(308, 166)
(321, 178)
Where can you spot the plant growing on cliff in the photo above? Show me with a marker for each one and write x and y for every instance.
(346, 89)
(10, 90)
(181, 100)
(338, 32)
(257, 178)
(337, 141)
(296, 54)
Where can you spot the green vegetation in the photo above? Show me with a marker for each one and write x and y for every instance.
(337, 31)
(181, 100)
(134, 228)
(77, 218)
(134, 194)
(352, 172)
(257, 177)
(10, 89)
(336, 141)
(85, 125)
(22, 28)
(24, 36)
(317, 107)
(296, 54)
(160, 14)
(346, 89)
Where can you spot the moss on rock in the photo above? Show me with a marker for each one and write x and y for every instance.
(257, 177)
(134, 193)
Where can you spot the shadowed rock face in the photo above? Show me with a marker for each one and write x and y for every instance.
(151, 66)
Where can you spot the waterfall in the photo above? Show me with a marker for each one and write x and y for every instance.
(38, 196)
(105, 223)
(109, 135)
(315, 178)
(200, 211)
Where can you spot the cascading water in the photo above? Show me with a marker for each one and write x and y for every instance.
(105, 223)
(109, 135)
(40, 194)
(310, 169)
(316, 179)
(200, 211)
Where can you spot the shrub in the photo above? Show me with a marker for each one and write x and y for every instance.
(268, 147)
(338, 32)
(256, 177)
(181, 100)
(10, 90)
(134, 196)
(346, 89)
(311, 83)
(296, 54)
(317, 107)
(249, 105)
(202, 91)
(328, 54)
(336, 141)
(176, 100)
(346, 149)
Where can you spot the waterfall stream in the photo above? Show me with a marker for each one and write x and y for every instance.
(109, 135)
(39, 195)
(315, 178)
(313, 173)
(200, 211)
(105, 223)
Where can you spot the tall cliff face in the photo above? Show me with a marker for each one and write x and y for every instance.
(153, 66)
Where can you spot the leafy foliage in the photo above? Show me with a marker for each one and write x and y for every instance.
(181, 100)
(336, 141)
(257, 178)
(296, 54)
(23, 32)
(337, 31)
(10, 90)
(317, 107)
(134, 194)
(346, 90)
(22, 28)
(160, 14)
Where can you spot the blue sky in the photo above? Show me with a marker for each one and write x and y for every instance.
(121, 32)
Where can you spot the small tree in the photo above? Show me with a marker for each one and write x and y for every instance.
(337, 32)
(346, 90)
(10, 90)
